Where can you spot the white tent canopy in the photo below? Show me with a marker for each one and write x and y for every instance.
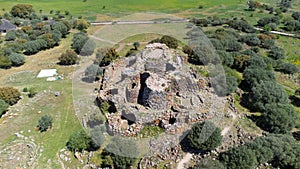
(47, 73)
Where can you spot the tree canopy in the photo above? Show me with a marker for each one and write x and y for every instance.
(279, 118)
(10, 95)
(45, 122)
(69, 57)
(21, 10)
(205, 136)
(3, 106)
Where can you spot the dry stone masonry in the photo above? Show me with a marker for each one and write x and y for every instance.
(155, 87)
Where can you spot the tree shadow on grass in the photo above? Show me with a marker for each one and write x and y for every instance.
(89, 79)
(295, 100)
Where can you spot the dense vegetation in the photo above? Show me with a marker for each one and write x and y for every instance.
(10, 95)
(205, 136)
(279, 150)
(35, 33)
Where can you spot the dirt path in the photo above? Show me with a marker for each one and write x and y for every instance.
(227, 128)
(185, 159)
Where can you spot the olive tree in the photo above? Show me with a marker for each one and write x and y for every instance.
(205, 136)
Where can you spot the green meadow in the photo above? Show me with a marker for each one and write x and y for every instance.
(116, 7)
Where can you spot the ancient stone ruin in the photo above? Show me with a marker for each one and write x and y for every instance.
(155, 87)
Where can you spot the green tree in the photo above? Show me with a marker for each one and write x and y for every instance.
(16, 59)
(11, 35)
(226, 58)
(93, 72)
(105, 56)
(69, 57)
(32, 92)
(5, 62)
(209, 164)
(276, 53)
(266, 92)
(88, 48)
(81, 24)
(251, 40)
(61, 27)
(123, 152)
(3, 107)
(21, 10)
(169, 41)
(239, 158)
(205, 136)
(33, 47)
(240, 62)
(297, 92)
(255, 75)
(45, 122)
(82, 44)
(10, 95)
(279, 118)
(293, 25)
(287, 67)
(136, 45)
(79, 141)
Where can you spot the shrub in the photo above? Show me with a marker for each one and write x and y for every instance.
(82, 44)
(255, 75)
(79, 141)
(123, 152)
(240, 62)
(265, 21)
(241, 25)
(10, 95)
(25, 89)
(292, 25)
(93, 72)
(296, 15)
(45, 122)
(81, 24)
(239, 158)
(279, 118)
(32, 92)
(205, 136)
(61, 27)
(276, 53)
(69, 57)
(169, 41)
(226, 58)
(5, 63)
(287, 68)
(105, 56)
(21, 10)
(267, 43)
(136, 45)
(16, 59)
(279, 150)
(208, 164)
(251, 40)
(266, 92)
(3, 107)
(11, 35)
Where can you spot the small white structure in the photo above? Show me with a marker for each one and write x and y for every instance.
(47, 73)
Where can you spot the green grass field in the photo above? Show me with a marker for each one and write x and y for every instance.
(60, 108)
(116, 7)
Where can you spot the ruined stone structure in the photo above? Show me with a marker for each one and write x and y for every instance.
(155, 87)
